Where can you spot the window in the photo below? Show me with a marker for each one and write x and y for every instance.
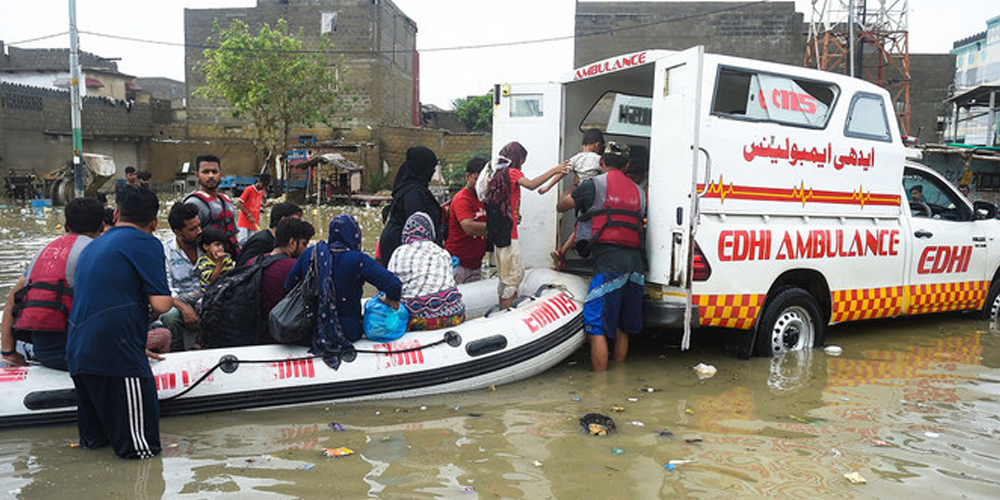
(621, 114)
(525, 105)
(929, 198)
(767, 97)
(327, 22)
(867, 118)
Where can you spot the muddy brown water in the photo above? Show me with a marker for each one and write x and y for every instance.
(911, 405)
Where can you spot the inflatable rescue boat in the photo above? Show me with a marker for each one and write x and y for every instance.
(492, 347)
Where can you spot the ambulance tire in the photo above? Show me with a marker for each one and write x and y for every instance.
(991, 308)
(791, 321)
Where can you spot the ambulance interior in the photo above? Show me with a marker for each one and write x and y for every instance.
(589, 104)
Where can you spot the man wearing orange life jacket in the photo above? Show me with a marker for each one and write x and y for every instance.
(39, 304)
(611, 209)
(214, 208)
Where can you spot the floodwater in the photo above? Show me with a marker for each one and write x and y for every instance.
(911, 406)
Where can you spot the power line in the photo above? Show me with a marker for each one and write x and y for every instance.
(46, 37)
(609, 31)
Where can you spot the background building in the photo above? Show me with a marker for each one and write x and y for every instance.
(977, 75)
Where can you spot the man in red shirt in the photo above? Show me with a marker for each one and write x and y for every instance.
(467, 226)
(249, 204)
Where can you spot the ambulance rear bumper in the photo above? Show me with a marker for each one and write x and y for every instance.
(662, 314)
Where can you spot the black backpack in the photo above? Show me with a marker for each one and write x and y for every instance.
(230, 308)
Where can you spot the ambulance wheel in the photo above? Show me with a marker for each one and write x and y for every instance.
(791, 322)
(991, 308)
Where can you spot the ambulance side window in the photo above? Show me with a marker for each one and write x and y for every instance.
(929, 198)
(867, 118)
(766, 97)
(525, 105)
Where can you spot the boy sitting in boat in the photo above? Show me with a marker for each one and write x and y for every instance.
(216, 260)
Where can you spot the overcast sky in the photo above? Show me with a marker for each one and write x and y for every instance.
(441, 24)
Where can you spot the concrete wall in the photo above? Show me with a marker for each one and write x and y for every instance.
(35, 129)
(930, 78)
(771, 31)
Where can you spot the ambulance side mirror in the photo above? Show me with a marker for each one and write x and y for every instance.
(984, 210)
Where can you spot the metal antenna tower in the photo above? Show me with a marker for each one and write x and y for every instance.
(867, 39)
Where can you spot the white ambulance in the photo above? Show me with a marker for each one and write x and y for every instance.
(780, 198)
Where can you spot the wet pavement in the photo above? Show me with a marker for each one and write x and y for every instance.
(910, 405)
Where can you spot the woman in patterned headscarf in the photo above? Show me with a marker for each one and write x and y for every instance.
(425, 269)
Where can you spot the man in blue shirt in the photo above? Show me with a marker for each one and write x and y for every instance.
(120, 277)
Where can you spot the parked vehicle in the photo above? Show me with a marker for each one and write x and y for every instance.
(779, 196)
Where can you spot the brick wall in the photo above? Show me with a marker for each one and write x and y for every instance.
(931, 76)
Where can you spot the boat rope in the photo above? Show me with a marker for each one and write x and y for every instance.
(451, 338)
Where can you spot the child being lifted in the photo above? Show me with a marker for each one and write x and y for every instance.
(585, 164)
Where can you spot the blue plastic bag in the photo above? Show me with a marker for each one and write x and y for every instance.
(382, 323)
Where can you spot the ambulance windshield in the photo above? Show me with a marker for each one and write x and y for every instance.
(621, 114)
(773, 98)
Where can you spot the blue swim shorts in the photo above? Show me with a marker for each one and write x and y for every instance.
(614, 301)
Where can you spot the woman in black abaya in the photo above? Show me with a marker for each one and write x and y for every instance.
(410, 195)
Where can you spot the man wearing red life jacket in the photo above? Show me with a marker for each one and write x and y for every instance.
(214, 208)
(39, 304)
(611, 209)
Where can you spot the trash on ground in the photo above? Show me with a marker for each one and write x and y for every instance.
(337, 427)
(617, 451)
(337, 452)
(855, 478)
(704, 371)
(597, 425)
(833, 350)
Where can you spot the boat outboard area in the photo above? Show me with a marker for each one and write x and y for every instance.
(492, 347)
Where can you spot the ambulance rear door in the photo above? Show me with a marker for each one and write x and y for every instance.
(532, 115)
(676, 166)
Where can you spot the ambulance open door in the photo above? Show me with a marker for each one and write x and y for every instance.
(677, 166)
(532, 115)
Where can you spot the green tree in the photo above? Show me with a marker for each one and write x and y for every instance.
(268, 78)
(475, 112)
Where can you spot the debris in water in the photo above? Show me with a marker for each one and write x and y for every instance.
(693, 440)
(74, 445)
(468, 489)
(493, 388)
(536, 463)
(855, 478)
(670, 466)
(637, 423)
(689, 411)
(679, 462)
(633, 400)
(704, 371)
(664, 433)
(576, 398)
(337, 452)
(597, 425)
(617, 451)
(423, 408)
(617, 408)
(833, 350)
(307, 467)
(932, 434)
(879, 442)
(336, 427)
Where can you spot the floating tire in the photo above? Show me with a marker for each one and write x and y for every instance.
(791, 321)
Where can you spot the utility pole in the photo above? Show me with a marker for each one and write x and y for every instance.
(850, 37)
(76, 103)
